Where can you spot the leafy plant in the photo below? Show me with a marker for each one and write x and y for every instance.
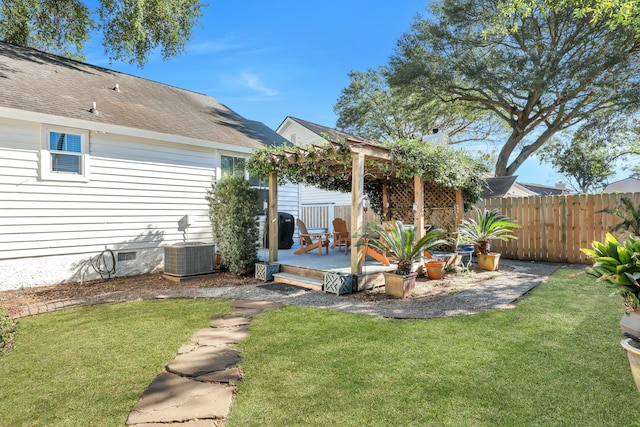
(619, 265)
(396, 240)
(7, 332)
(232, 210)
(629, 214)
(446, 167)
(490, 225)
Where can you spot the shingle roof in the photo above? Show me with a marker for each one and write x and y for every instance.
(40, 82)
(329, 133)
(497, 186)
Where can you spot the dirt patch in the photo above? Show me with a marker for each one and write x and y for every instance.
(25, 296)
(427, 289)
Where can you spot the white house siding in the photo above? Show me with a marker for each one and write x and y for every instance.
(298, 134)
(312, 195)
(135, 201)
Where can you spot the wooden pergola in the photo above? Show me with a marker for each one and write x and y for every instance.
(359, 152)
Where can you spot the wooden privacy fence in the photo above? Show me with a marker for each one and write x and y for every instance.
(554, 228)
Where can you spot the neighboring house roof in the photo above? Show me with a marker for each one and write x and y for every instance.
(545, 190)
(497, 187)
(325, 132)
(35, 81)
(627, 185)
(504, 186)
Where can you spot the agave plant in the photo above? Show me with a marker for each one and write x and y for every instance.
(490, 225)
(618, 264)
(396, 240)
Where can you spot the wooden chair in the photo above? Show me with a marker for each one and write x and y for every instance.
(309, 242)
(374, 253)
(341, 235)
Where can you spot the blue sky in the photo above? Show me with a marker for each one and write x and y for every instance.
(267, 60)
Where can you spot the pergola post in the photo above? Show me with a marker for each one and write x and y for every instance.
(459, 207)
(357, 220)
(273, 216)
(418, 200)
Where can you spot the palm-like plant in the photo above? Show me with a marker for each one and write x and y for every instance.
(619, 265)
(629, 214)
(396, 240)
(490, 225)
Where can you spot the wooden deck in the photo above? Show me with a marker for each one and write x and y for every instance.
(308, 269)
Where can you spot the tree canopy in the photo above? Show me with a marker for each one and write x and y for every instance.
(618, 13)
(131, 30)
(370, 108)
(595, 153)
(553, 71)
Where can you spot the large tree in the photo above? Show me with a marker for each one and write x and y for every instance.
(594, 153)
(615, 13)
(370, 108)
(131, 29)
(554, 72)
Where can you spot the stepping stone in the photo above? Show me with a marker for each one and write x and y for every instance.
(216, 337)
(261, 305)
(247, 312)
(196, 423)
(231, 375)
(204, 360)
(171, 398)
(186, 348)
(228, 321)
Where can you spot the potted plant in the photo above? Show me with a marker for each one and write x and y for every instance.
(489, 225)
(397, 241)
(618, 264)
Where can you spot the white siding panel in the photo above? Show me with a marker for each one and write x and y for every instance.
(313, 195)
(138, 192)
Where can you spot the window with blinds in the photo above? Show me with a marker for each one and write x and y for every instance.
(64, 154)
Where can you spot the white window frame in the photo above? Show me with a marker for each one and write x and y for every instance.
(46, 172)
(246, 173)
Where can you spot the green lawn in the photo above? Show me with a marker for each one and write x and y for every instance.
(553, 360)
(89, 366)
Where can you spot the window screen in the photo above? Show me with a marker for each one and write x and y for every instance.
(66, 152)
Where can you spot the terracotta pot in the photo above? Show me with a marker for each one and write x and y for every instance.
(435, 269)
(488, 261)
(633, 353)
(398, 285)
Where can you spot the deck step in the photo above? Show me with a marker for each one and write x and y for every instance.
(294, 279)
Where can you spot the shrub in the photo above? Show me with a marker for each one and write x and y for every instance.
(233, 207)
(7, 332)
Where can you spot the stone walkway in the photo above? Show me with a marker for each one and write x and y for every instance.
(196, 388)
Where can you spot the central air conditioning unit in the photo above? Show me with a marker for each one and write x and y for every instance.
(189, 259)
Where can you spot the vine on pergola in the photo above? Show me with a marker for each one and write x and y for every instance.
(327, 165)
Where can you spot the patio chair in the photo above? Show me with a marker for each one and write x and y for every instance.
(374, 253)
(309, 242)
(341, 236)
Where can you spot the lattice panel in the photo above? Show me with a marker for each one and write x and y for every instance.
(439, 203)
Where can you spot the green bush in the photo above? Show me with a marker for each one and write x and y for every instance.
(233, 207)
(7, 332)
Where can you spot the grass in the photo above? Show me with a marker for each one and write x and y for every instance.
(89, 366)
(553, 360)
